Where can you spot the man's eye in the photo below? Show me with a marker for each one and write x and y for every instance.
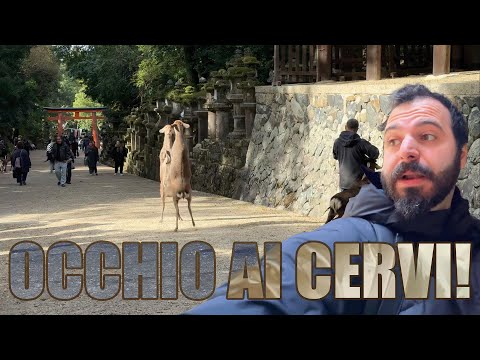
(428, 137)
(393, 142)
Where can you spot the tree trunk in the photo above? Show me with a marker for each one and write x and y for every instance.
(192, 74)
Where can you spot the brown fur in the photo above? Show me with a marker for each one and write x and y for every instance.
(165, 160)
(339, 201)
(178, 174)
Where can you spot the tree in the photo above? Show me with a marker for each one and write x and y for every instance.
(108, 73)
(42, 69)
(15, 101)
(159, 65)
(83, 100)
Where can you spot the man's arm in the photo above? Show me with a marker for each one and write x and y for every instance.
(369, 150)
(335, 150)
(291, 302)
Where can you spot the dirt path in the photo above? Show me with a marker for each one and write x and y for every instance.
(119, 209)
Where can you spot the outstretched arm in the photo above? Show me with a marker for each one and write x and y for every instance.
(370, 150)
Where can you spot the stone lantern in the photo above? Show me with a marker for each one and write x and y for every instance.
(202, 116)
(248, 87)
(221, 105)
(208, 106)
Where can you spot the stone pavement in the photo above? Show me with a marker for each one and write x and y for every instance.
(119, 209)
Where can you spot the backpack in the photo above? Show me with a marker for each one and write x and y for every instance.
(18, 162)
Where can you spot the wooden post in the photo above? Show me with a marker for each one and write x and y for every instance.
(324, 62)
(276, 64)
(60, 125)
(95, 130)
(374, 62)
(441, 59)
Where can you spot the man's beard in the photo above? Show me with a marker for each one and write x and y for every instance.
(414, 203)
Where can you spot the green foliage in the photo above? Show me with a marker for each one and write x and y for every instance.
(83, 100)
(29, 80)
(212, 57)
(240, 71)
(158, 65)
(42, 70)
(108, 73)
(68, 88)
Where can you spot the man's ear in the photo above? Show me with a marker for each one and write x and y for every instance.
(463, 156)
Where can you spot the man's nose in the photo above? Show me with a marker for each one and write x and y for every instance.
(409, 149)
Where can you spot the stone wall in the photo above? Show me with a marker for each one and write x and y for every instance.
(469, 179)
(289, 163)
(217, 166)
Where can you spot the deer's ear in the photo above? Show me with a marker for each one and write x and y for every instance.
(162, 130)
(185, 125)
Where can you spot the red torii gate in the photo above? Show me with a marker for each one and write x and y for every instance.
(61, 117)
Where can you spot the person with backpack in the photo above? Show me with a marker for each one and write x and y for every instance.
(21, 164)
(50, 156)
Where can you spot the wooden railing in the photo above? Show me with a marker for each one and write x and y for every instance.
(313, 63)
(295, 64)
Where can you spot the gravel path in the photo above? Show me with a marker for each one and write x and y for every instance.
(119, 209)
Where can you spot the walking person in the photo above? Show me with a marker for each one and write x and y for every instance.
(61, 153)
(21, 164)
(119, 154)
(351, 150)
(70, 166)
(92, 158)
(86, 143)
(50, 156)
(74, 147)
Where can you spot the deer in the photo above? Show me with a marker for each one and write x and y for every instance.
(165, 160)
(339, 201)
(178, 173)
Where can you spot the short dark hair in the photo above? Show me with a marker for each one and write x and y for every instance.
(410, 92)
(352, 124)
(20, 145)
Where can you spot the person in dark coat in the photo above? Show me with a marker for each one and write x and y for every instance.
(119, 154)
(21, 164)
(74, 147)
(62, 156)
(92, 158)
(351, 151)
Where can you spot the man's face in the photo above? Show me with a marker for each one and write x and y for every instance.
(59, 140)
(421, 161)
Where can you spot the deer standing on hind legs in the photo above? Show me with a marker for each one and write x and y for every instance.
(165, 160)
(178, 171)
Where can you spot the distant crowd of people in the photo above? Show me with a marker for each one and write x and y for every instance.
(61, 153)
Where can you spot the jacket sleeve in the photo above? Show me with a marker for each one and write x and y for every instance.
(291, 302)
(369, 150)
(335, 150)
(28, 161)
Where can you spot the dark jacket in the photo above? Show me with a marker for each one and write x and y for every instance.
(119, 154)
(351, 150)
(61, 152)
(369, 218)
(92, 156)
(24, 159)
